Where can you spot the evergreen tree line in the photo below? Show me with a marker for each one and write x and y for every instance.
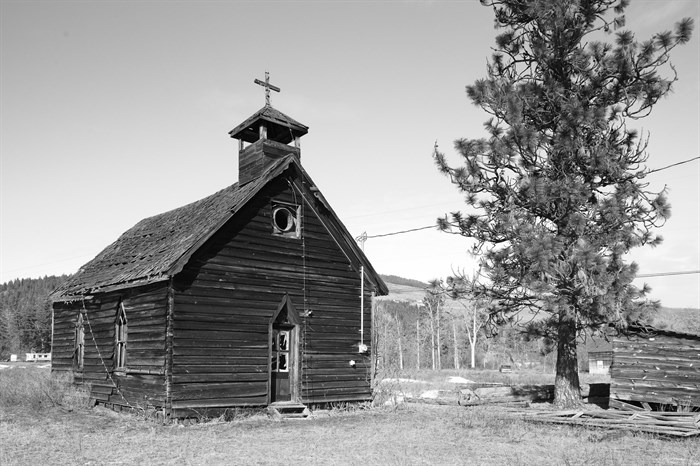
(25, 315)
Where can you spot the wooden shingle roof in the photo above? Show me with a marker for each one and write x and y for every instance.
(153, 250)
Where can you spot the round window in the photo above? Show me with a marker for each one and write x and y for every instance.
(283, 219)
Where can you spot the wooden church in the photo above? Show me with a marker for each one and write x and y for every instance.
(254, 296)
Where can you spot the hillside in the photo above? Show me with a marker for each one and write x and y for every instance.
(406, 290)
(678, 320)
(405, 293)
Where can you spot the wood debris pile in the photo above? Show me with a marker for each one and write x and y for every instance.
(506, 394)
(681, 424)
(474, 394)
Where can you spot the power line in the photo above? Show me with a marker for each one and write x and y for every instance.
(663, 274)
(673, 165)
(401, 232)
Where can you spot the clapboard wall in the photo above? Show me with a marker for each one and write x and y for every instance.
(142, 384)
(228, 292)
(654, 366)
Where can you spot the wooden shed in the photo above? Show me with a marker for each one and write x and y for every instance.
(655, 368)
(254, 295)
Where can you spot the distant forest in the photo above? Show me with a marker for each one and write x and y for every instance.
(25, 315)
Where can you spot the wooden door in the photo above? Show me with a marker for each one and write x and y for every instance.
(282, 363)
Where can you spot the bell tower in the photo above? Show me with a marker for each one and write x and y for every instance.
(266, 136)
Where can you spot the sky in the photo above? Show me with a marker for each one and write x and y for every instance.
(115, 111)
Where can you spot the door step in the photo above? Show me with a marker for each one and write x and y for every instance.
(288, 410)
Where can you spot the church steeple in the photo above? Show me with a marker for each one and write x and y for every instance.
(268, 133)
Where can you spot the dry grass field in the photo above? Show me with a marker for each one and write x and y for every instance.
(44, 421)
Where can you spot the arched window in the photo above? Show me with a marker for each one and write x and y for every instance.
(120, 333)
(79, 343)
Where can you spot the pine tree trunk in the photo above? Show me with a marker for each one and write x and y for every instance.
(567, 391)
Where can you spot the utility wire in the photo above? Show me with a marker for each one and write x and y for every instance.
(401, 232)
(663, 274)
(673, 165)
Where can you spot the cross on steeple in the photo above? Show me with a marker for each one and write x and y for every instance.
(266, 84)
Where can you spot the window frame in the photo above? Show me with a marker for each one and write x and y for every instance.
(121, 333)
(79, 343)
(294, 231)
(276, 351)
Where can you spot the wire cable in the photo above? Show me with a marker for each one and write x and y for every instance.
(672, 165)
(663, 274)
(401, 232)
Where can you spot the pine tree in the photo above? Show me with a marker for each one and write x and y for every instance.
(556, 193)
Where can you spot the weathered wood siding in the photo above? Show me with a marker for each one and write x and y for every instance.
(143, 381)
(658, 367)
(229, 291)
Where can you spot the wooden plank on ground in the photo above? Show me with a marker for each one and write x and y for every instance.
(658, 422)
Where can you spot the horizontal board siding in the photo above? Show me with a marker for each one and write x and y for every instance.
(139, 390)
(227, 294)
(658, 368)
(143, 380)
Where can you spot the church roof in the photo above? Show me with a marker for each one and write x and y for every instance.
(157, 247)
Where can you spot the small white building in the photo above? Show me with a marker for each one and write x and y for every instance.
(38, 357)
